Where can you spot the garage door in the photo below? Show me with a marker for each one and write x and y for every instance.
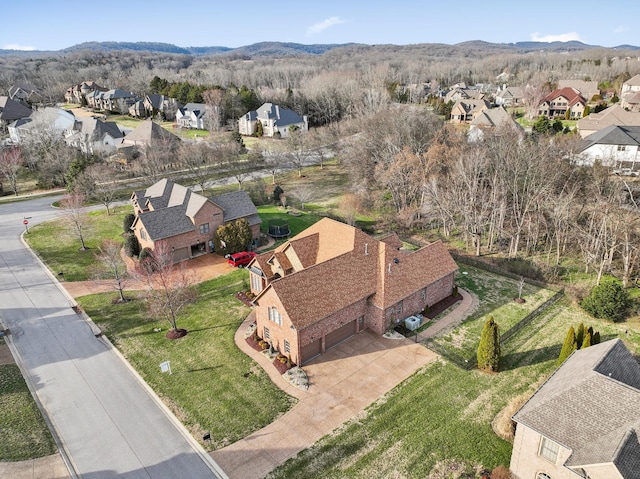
(311, 350)
(339, 335)
(181, 254)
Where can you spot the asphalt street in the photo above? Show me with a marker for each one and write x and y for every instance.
(107, 421)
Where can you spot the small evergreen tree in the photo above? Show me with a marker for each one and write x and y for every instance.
(488, 353)
(596, 338)
(568, 347)
(277, 192)
(131, 245)
(608, 300)
(259, 129)
(542, 125)
(128, 222)
(586, 342)
(579, 335)
(232, 237)
(587, 110)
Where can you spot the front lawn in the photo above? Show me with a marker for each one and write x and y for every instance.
(23, 432)
(59, 248)
(213, 386)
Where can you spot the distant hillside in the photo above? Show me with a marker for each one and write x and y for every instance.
(283, 49)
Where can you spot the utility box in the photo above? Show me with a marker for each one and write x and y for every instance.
(412, 323)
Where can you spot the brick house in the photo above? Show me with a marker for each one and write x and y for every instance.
(583, 422)
(558, 102)
(186, 221)
(464, 111)
(332, 281)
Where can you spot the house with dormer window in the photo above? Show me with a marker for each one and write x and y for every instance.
(333, 281)
(557, 103)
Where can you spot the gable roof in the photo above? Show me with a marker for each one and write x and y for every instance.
(586, 88)
(590, 405)
(572, 95)
(614, 135)
(281, 116)
(633, 81)
(331, 265)
(236, 205)
(11, 110)
(493, 117)
(511, 92)
(149, 131)
(614, 115)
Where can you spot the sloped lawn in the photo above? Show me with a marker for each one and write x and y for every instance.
(443, 414)
(213, 386)
(59, 248)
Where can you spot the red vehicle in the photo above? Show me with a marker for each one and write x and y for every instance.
(240, 259)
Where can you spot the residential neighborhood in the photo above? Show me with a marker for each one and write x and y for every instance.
(414, 261)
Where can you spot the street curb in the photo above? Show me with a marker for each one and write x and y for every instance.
(204, 456)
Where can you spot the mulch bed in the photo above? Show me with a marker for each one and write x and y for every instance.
(244, 298)
(439, 307)
(253, 343)
(281, 367)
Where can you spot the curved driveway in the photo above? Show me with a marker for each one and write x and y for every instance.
(109, 424)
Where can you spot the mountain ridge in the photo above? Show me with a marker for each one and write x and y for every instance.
(272, 48)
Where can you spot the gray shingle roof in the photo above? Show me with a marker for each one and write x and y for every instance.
(148, 131)
(590, 405)
(237, 204)
(282, 116)
(614, 135)
(11, 110)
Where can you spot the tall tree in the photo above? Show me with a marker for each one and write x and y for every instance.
(568, 347)
(168, 287)
(73, 211)
(11, 161)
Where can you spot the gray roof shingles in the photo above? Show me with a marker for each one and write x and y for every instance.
(590, 405)
(237, 204)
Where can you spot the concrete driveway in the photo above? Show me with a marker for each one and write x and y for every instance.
(343, 381)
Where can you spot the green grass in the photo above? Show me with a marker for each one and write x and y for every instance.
(60, 250)
(443, 413)
(496, 295)
(23, 432)
(214, 386)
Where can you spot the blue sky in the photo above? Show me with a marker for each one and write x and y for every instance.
(57, 24)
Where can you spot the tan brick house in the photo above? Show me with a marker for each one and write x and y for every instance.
(332, 281)
(557, 103)
(584, 421)
(186, 221)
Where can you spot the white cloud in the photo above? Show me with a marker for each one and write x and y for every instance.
(15, 46)
(620, 29)
(562, 37)
(323, 25)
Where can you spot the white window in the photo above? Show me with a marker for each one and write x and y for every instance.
(549, 449)
(266, 333)
(256, 283)
(287, 346)
(204, 228)
(622, 147)
(275, 316)
(143, 234)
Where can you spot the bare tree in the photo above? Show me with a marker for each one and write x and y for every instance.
(168, 287)
(201, 160)
(241, 167)
(303, 192)
(112, 266)
(73, 211)
(299, 150)
(10, 163)
(99, 183)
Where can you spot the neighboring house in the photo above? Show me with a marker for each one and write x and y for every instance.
(93, 136)
(614, 146)
(510, 96)
(333, 281)
(12, 110)
(191, 116)
(137, 110)
(25, 93)
(588, 89)
(583, 422)
(614, 115)
(161, 106)
(493, 119)
(460, 93)
(464, 111)
(76, 93)
(186, 221)
(47, 121)
(558, 102)
(147, 133)
(276, 121)
(630, 94)
(115, 100)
